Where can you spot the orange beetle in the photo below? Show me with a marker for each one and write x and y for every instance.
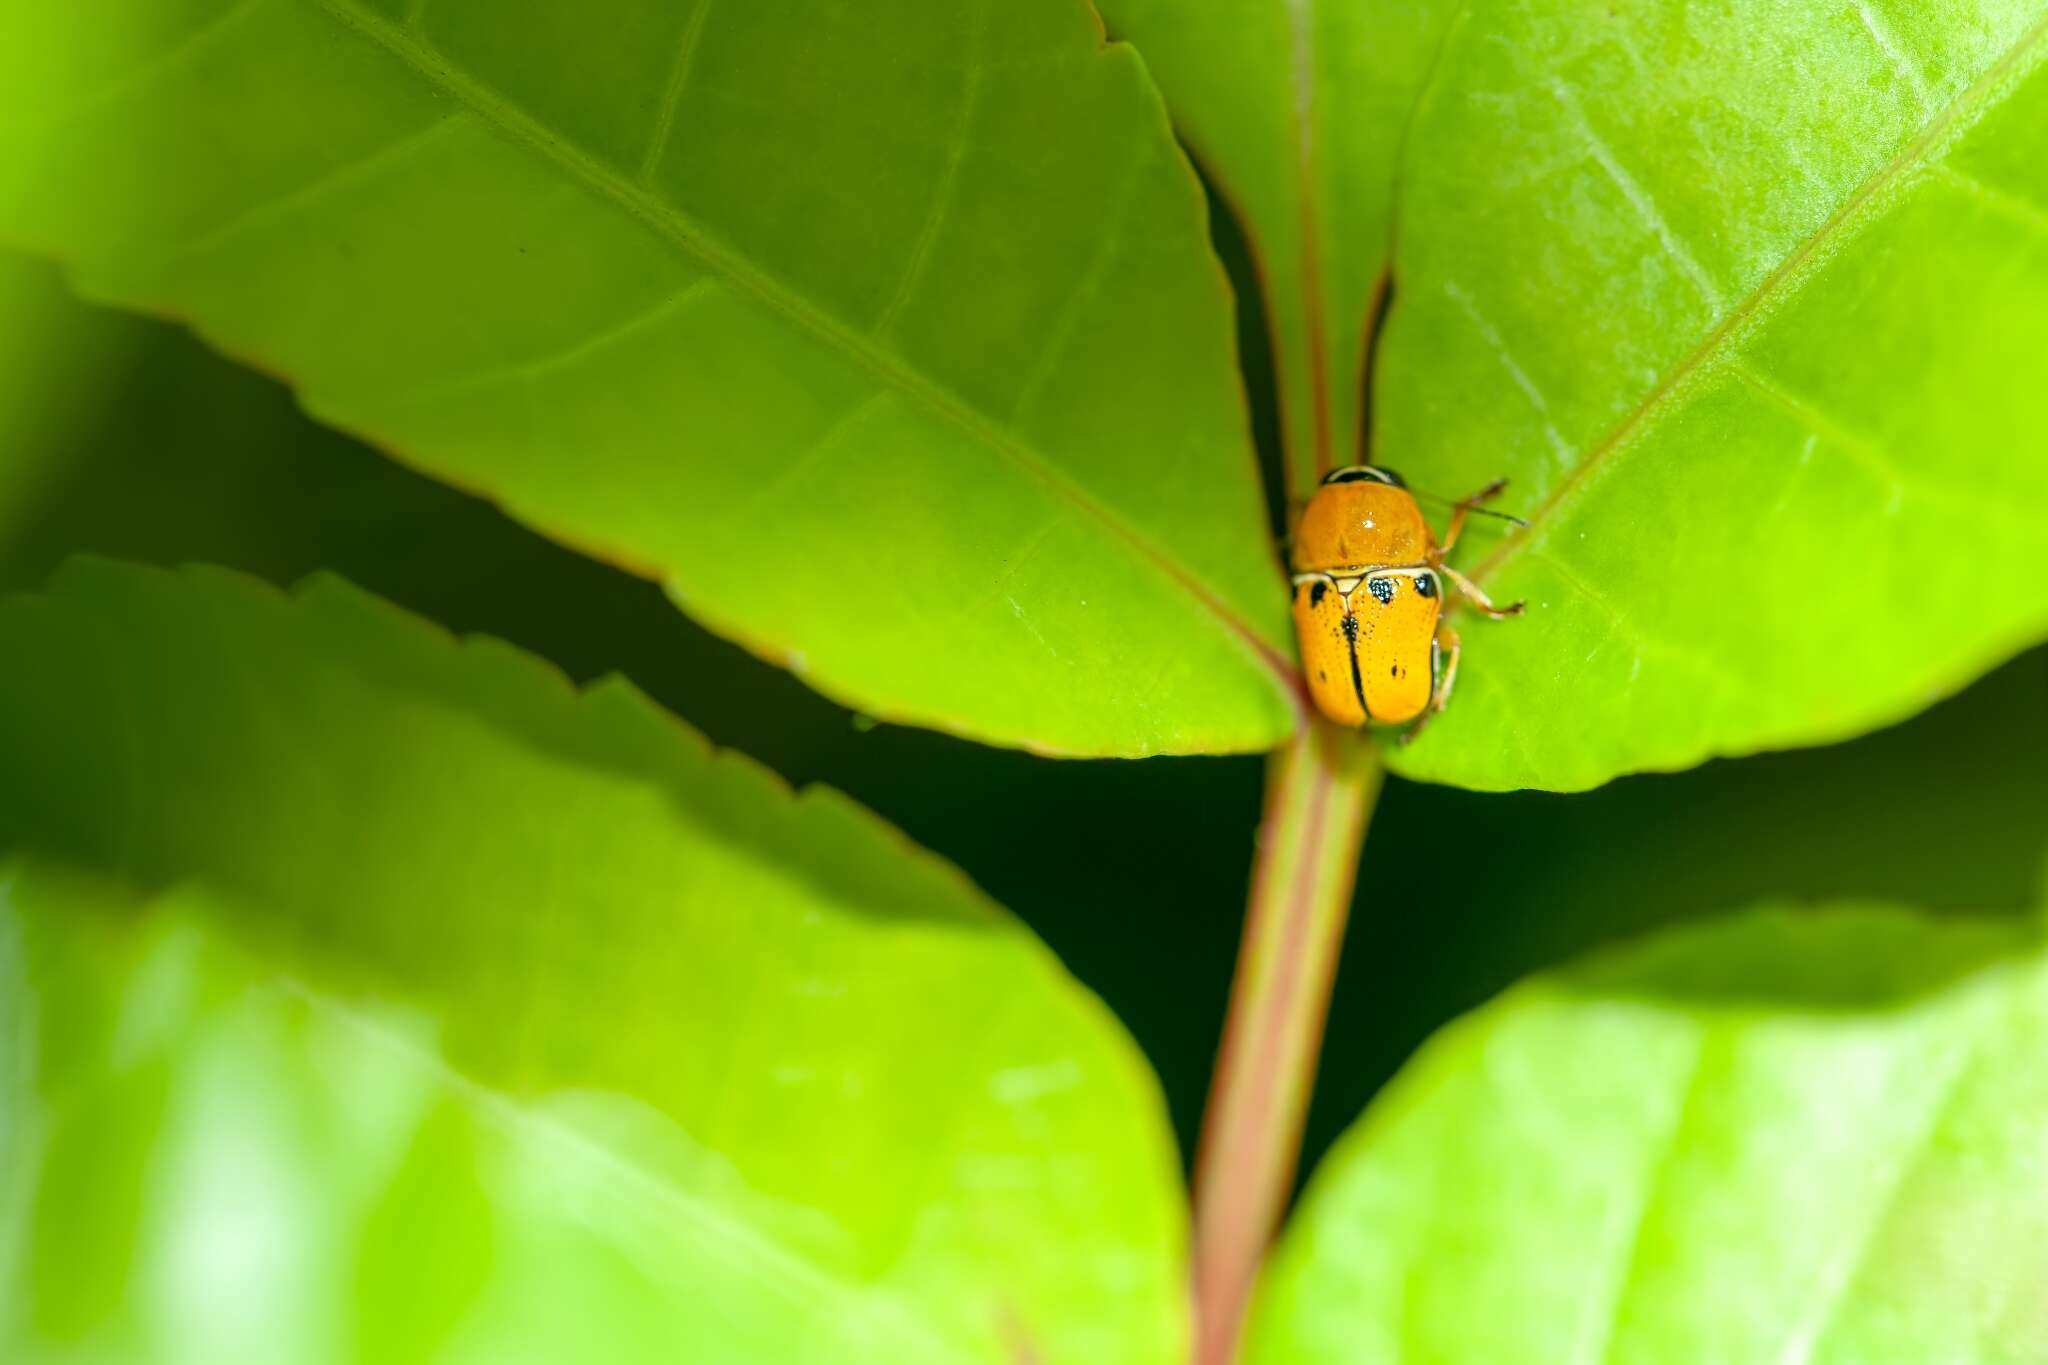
(1368, 599)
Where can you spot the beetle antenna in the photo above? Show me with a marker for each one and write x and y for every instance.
(1504, 516)
(1470, 506)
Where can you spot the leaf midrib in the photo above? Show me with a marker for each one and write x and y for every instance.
(1756, 305)
(1302, 78)
(679, 229)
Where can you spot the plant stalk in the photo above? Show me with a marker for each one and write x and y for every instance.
(1319, 795)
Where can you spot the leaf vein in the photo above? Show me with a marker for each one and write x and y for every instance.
(2005, 202)
(163, 63)
(1084, 290)
(1703, 665)
(536, 366)
(1302, 75)
(1640, 200)
(949, 176)
(1871, 455)
(672, 97)
(1841, 1273)
(799, 461)
(1604, 1317)
(312, 192)
(1714, 347)
(1558, 445)
(672, 224)
(1887, 43)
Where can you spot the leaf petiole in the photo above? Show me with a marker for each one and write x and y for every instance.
(1319, 795)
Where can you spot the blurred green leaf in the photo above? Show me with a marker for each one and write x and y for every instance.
(631, 1036)
(1787, 1135)
(1744, 300)
(53, 356)
(126, 437)
(887, 338)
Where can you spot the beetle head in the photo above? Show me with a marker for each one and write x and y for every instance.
(1365, 473)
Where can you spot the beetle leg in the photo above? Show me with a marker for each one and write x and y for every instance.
(1462, 509)
(1477, 598)
(1447, 651)
(1443, 667)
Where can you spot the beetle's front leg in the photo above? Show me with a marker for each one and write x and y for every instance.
(1443, 668)
(1472, 594)
(1462, 509)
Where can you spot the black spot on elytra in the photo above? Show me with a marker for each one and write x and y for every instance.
(1394, 670)
(1315, 594)
(1382, 590)
(1425, 585)
(1351, 629)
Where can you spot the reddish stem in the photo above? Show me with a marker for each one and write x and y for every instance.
(1319, 793)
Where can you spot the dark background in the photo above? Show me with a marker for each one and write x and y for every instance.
(152, 448)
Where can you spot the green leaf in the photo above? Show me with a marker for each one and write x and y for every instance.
(887, 338)
(1788, 1135)
(1297, 109)
(1743, 299)
(737, 1073)
(52, 354)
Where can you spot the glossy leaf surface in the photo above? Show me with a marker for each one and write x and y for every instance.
(1743, 299)
(1788, 1135)
(887, 337)
(546, 1018)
